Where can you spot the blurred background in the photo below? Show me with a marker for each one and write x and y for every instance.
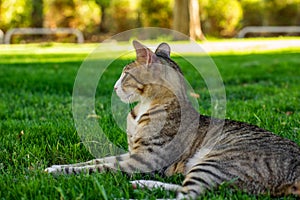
(100, 19)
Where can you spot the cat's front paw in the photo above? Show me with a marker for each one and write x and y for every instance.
(54, 169)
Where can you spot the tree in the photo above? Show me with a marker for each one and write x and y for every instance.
(103, 4)
(187, 18)
(195, 24)
(37, 15)
(181, 16)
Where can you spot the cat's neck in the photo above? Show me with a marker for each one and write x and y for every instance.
(142, 107)
(167, 102)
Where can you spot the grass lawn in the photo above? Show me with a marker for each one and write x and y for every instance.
(37, 128)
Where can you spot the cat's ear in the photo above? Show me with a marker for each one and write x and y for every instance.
(143, 54)
(163, 50)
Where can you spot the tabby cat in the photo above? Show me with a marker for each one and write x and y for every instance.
(167, 135)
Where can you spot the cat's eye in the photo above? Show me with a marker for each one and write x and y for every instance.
(125, 76)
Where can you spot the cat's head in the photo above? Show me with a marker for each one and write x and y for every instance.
(150, 76)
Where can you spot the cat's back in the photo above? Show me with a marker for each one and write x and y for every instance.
(249, 138)
(258, 160)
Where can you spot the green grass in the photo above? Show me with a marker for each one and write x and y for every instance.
(35, 99)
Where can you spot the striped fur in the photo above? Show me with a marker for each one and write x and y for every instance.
(165, 134)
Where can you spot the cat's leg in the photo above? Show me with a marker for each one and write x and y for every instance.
(201, 177)
(99, 161)
(126, 163)
(155, 184)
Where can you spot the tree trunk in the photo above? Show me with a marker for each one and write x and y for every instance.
(103, 5)
(37, 14)
(181, 16)
(195, 24)
(102, 27)
(187, 19)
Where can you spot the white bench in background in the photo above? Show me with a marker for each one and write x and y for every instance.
(268, 29)
(42, 31)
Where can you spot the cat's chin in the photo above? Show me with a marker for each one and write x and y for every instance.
(129, 98)
(127, 101)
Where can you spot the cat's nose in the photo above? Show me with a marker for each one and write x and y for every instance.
(115, 88)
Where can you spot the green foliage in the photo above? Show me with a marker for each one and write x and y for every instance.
(103, 3)
(123, 15)
(253, 12)
(219, 18)
(14, 14)
(83, 15)
(271, 12)
(282, 12)
(156, 13)
(87, 16)
(223, 17)
(36, 91)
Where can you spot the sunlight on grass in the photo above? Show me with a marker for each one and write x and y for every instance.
(218, 45)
